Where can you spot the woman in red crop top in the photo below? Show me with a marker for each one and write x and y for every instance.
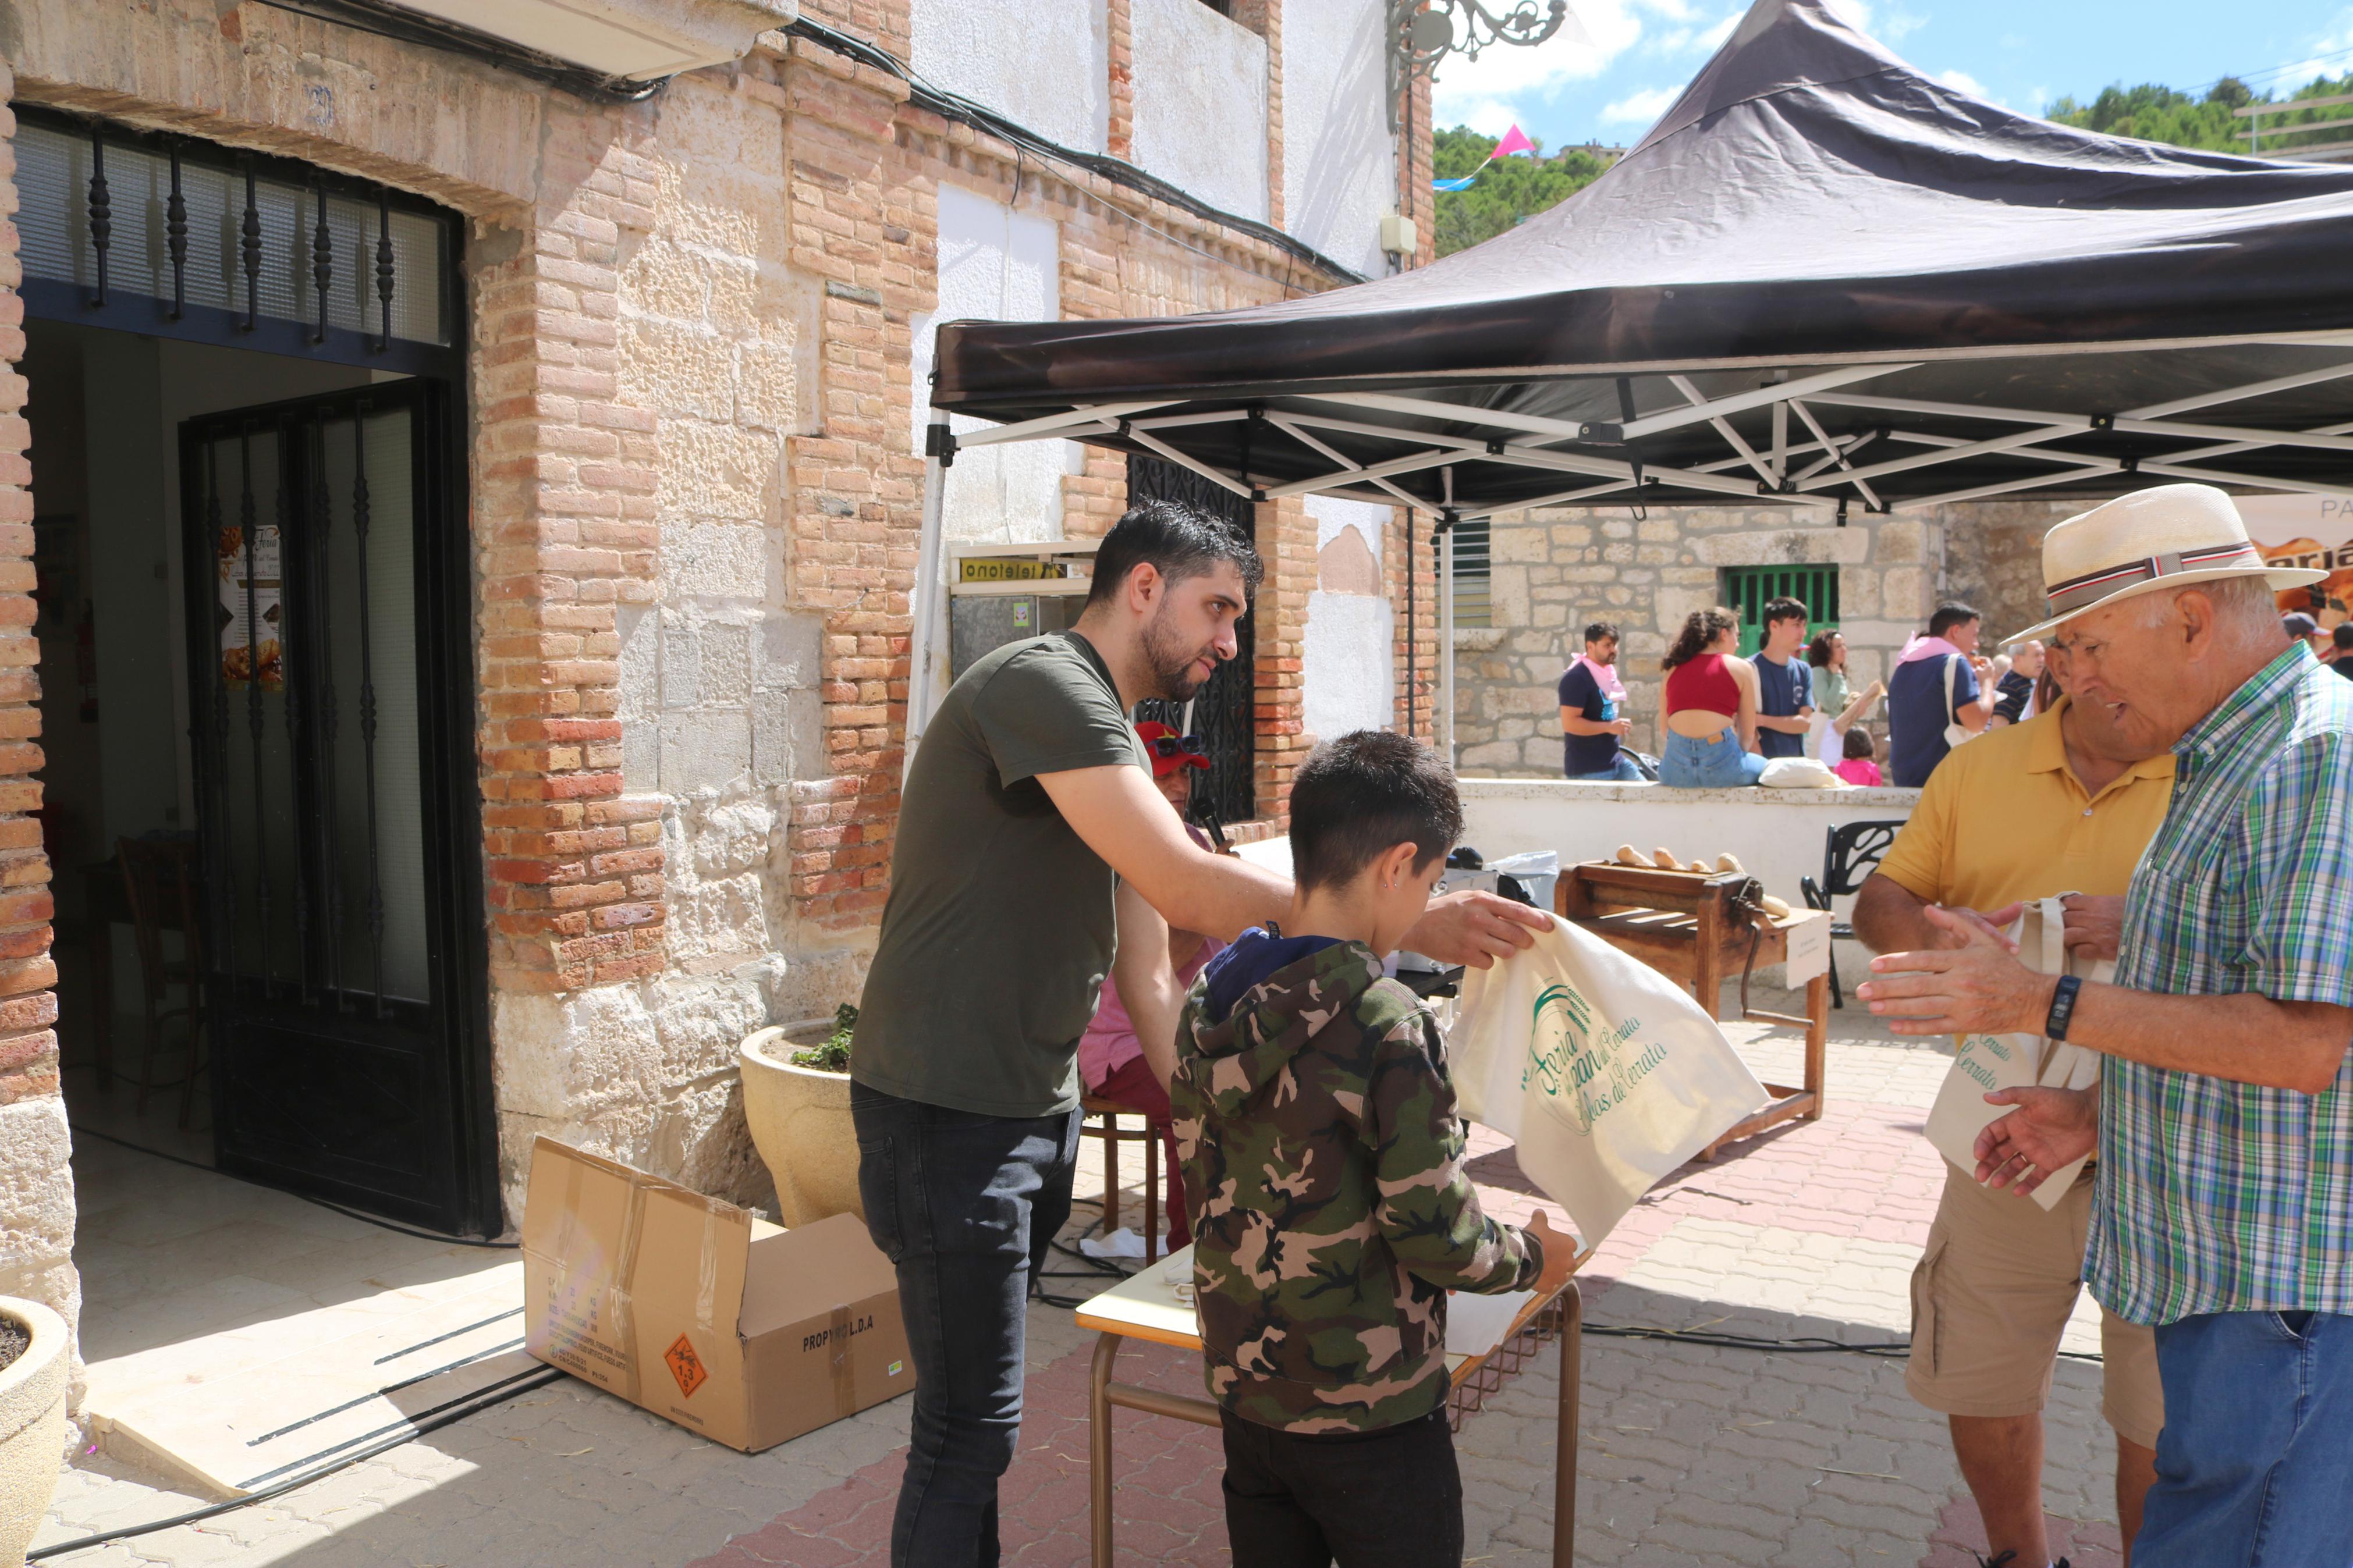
(1709, 717)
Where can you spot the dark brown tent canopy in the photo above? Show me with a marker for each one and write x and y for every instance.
(1821, 276)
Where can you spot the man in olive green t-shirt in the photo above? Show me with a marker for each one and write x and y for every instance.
(1028, 798)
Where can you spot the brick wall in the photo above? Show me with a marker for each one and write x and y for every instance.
(694, 505)
(37, 1241)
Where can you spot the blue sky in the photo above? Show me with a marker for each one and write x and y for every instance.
(2019, 53)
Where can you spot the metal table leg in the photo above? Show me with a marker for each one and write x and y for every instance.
(1099, 1447)
(1572, 1358)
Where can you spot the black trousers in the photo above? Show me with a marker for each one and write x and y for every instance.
(1385, 1498)
(965, 1206)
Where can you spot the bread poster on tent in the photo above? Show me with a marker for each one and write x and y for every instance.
(2307, 530)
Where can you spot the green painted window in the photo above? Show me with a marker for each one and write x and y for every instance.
(1747, 590)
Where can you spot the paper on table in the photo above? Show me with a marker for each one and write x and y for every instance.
(1475, 1325)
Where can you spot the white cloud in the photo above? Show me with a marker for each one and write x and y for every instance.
(1856, 14)
(1900, 25)
(1962, 82)
(1643, 108)
(2323, 55)
(1506, 74)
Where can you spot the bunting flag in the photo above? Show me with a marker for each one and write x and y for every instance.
(1514, 140)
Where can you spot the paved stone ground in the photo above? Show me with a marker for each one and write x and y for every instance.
(1690, 1454)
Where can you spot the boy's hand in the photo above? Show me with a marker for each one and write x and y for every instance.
(1559, 1254)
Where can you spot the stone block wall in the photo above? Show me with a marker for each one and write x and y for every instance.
(1556, 570)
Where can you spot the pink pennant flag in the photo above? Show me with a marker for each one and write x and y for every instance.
(1514, 140)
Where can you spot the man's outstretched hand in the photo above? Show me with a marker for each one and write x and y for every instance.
(2050, 1129)
(1976, 986)
(1475, 928)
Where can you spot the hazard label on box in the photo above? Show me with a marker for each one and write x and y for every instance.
(685, 1367)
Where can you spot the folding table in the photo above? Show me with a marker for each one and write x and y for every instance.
(1146, 1307)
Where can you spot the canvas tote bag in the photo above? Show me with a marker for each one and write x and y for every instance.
(1956, 734)
(2018, 1061)
(1605, 1072)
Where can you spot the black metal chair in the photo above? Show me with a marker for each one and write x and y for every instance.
(1848, 853)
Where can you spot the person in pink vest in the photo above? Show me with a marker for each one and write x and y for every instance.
(1111, 1056)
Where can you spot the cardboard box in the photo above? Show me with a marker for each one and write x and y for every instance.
(693, 1309)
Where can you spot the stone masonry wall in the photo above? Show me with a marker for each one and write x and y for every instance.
(1556, 570)
(694, 502)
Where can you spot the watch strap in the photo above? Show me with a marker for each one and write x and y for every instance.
(2063, 1007)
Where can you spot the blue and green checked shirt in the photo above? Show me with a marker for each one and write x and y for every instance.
(2217, 1196)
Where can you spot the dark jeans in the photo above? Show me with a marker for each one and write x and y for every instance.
(965, 1205)
(2254, 1467)
(1385, 1498)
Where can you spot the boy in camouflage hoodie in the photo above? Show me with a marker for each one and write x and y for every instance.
(1323, 1160)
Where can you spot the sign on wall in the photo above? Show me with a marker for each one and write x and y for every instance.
(2306, 530)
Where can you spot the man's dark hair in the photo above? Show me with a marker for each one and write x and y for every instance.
(1361, 795)
(1783, 609)
(2342, 636)
(1177, 541)
(1947, 617)
(1601, 629)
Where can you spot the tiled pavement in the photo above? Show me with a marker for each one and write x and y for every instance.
(1690, 1454)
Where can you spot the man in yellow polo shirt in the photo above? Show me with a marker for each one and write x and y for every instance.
(2062, 804)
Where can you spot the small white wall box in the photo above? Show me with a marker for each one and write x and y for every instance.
(1398, 236)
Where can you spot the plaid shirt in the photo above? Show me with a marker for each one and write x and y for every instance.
(2217, 1196)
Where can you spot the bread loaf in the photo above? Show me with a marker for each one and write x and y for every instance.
(1664, 859)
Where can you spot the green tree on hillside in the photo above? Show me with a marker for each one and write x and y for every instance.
(1509, 190)
(2154, 113)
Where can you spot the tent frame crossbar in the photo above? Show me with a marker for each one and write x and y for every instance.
(1799, 465)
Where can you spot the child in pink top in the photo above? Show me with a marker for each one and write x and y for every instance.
(1857, 767)
(1111, 1059)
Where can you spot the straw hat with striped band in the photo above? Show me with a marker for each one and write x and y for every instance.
(2169, 536)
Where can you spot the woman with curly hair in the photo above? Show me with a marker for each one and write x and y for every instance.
(1709, 718)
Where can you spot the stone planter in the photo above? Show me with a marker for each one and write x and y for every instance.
(800, 1123)
(32, 1424)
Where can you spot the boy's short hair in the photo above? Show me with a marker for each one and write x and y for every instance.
(1359, 796)
(1859, 744)
(1776, 610)
(1177, 540)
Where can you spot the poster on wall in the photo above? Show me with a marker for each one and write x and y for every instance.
(2311, 531)
(249, 588)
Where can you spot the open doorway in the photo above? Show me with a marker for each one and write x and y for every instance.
(254, 625)
(106, 408)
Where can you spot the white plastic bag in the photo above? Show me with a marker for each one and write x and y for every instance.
(1607, 1073)
(1799, 773)
(2017, 1062)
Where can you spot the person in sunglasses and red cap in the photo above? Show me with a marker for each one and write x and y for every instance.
(1111, 1056)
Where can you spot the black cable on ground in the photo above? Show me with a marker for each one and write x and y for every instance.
(1884, 1350)
(81, 1131)
(489, 1397)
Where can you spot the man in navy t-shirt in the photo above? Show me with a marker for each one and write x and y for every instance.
(1918, 711)
(1785, 682)
(1592, 728)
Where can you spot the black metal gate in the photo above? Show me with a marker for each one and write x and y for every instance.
(1224, 710)
(324, 567)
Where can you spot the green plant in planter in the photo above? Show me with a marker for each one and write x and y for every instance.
(832, 1053)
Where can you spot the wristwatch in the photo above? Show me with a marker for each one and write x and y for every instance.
(2062, 1007)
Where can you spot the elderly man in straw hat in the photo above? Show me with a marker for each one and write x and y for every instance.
(2223, 1210)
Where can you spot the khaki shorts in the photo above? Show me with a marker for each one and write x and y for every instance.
(1990, 1298)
